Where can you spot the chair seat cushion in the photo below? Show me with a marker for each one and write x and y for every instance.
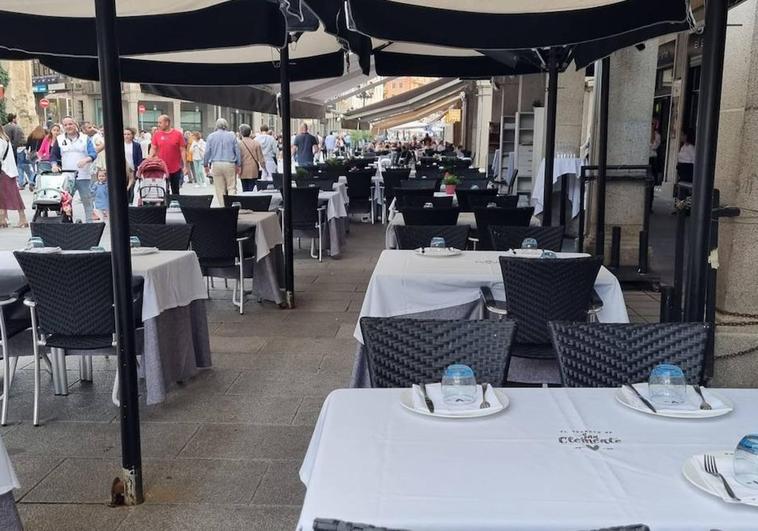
(79, 342)
(534, 351)
(15, 326)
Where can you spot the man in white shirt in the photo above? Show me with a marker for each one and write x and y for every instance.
(330, 143)
(269, 148)
(75, 152)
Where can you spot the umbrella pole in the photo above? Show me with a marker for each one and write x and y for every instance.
(110, 82)
(552, 108)
(711, 77)
(602, 154)
(289, 260)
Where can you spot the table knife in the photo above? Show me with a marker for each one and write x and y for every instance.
(642, 398)
(427, 400)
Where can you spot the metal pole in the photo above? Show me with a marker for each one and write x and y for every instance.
(552, 107)
(602, 155)
(705, 157)
(289, 260)
(110, 82)
(499, 166)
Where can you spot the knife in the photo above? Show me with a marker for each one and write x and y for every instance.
(642, 398)
(427, 400)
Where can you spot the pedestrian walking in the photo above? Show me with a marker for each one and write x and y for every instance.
(222, 160)
(251, 159)
(168, 145)
(74, 151)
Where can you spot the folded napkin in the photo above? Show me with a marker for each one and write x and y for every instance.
(43, 250)
(528, 253)
(137, 251)
(725, 464)
(691, 406)
(434, 391)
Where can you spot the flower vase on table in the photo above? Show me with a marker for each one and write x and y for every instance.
(450, 181)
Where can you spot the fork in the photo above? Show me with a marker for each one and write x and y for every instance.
(484, 404)
(709, 464)
(704, 405)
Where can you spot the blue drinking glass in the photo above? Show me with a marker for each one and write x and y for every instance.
(667, 385)
(438, 242)
(458, 385)
(35, 242)
(134, 241)
(746, 461)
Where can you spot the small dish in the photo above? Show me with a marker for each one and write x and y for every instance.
(689, 410)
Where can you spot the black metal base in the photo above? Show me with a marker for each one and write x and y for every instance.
(631, 278)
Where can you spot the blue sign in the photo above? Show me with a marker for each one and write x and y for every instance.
(39, 88)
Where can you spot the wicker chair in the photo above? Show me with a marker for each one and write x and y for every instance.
(14, 319)
(405, 197)
(194, 201)
(326, 185)
(505, 238)
(220, 250)
(415, 236)
(541, 290)
(360, 191)
(472, 184)
(430, 216)
(308, 217)
(69, 236)
(73, 315)
(514, 217)
(610, 355)
(464, 196)
(402, 352)
(501, 201)
(392, 179)
(328, 524)
(422, 183)
(147, 215)
(257, 203)
(164, 237)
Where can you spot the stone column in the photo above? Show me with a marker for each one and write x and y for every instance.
(131, 95)
(19, 98)
(482, 127)
(176, 113)
(568, 130)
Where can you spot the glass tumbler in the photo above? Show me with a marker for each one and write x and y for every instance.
(667, 385)
(529, 243)
(458, 385)
(134, 241)
(35, 242)
(746, 461)
(438, 242)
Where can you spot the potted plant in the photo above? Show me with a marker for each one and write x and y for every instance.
(450, 181)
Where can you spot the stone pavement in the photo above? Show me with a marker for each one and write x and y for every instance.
(224, 450)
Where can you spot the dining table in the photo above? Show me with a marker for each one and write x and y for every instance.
(409, 284)
(568, 167)
(176, 343)
(555, 459)
(268, 270)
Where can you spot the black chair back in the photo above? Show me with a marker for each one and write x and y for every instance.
(73, 292)
(430, 216)
(174, 237)
(69, 236)
(147, 215)
(412, 197)
(402, 352)
(470, 174)
(393, 177)
(304, 207)
(506, 238)
(472, 184)
(415, 236)
(359, 185)
(191, 200)
(214, 234)
(539, 290)
(422, 184)
(464, 196)
(258, 203)
(610, 355)
(477, 200)
(276, 179)
(326, 185)
(512, 217)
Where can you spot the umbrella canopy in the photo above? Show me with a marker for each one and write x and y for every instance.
(143, 26)
(511, 24)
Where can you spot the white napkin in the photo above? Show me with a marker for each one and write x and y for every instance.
(43, 250)
(528, 253)
(137, 251)
(691, 406)
(434, 391)
(725, 464)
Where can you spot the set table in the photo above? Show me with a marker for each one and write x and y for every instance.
(571, 167)
(556, 459)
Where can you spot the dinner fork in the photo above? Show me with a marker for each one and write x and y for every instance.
(484, 404)
(709, 464)
(704, 405)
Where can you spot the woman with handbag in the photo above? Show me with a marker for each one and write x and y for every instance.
(10, 198)
(251, 159)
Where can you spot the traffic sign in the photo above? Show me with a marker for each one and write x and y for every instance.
(141, 109)
(44, 102)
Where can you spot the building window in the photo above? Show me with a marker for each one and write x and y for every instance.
(192, 120)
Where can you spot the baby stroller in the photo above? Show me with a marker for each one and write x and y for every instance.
(152, 175)
(53, 193)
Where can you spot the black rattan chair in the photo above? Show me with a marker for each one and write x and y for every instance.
(73, 315)
(326, 185)
(505, 238)
(220, 250)
(194, 201)
(540, 290)
(610, 355)
(276, 179)
(258, 203)
(308, 217)
(147, 215)
(164, 237)
(360, 191)
(421, 184)
(430, 216)
(14, 319)
(392, 179)
(329, 524)
(472, 184)
(69, 236)
(500, 201)
(512, 217)
(464, 196)
(412, 198)
(415, 236)
(402, 352)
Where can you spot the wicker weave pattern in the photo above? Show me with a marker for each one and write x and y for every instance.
(359, 185)
(422, 183)
(512, 217)
(214, 236)
(468, 184)
(304, 208)
(69, 236)
(194, 201)
(402, 352)
(465, 196)
(147, 214)
(502, 201)
(430, 216)
(73, 292)
(413, 198)
(164, 237)
(505, 238)
(392, 181)
(257, 203)
(542, 290)
(415, 236)
(609, 355)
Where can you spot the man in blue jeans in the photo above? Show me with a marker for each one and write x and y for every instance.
(74, 151)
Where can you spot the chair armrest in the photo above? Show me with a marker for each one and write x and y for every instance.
(490, 304)
(10, 298)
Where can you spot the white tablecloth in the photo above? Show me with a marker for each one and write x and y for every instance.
(335, 201)
(556, 459)
(572, 167)
(8, 479)
(405, 283)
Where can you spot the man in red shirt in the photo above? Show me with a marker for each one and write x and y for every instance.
(168, 145)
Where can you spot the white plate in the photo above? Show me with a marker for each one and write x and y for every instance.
(636, 404)
(140, 251)
(691, 471)
(436, 252)
(406, 400)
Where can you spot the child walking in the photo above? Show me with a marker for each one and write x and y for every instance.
(99, 190)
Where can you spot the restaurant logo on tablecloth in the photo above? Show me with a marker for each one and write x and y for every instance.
(593, 439)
